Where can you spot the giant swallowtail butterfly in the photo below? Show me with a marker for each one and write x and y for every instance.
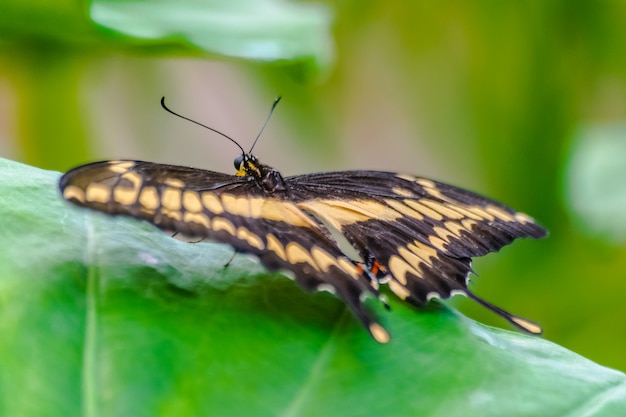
(414, 234)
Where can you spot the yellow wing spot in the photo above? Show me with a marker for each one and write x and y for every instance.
(424, 252)
(98, 193)
(170, 199)
(239, 206)
(252, 239)
(524, 218)
(128, 195)
(403, 192)
(426, 183)
(349, 268)
(274, 245)
(278, 210)
(454, 227)
(336, 216)
(120, 167)
(73, 192)
(220, 223)
(399, 268)
(132, 177)
(421, 258)
(428, 212)
(198, 218)
(431, 188)
(323, 259)
(191, 201)
(399, 289)
(479, 211)
(264, 208)
(125, 196)
(463, 211)
(438, 243)
(441, 208)
(212, 203)
(297, 254)
(412, 259)
(500, 214)
(434, 192)
(379, 334)
(406, 177)
(149, 198)
(443, 233)
(172, 214)
(371, 209)
(174, 182)
(404, 209)
(341, 213)
(468, 224)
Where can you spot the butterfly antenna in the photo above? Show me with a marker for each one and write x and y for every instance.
(265, 124)
(200, 124)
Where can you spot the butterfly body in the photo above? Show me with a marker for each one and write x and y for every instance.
(415, 235)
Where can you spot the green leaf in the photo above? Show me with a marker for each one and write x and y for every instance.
(253, 29)
(265, 30)
(104, 316)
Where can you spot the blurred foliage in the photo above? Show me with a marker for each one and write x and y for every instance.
(485, 95)
(595, 180)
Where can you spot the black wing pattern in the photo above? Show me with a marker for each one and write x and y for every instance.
(227, 209)
(414, 234)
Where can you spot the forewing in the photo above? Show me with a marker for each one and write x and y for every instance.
(422, 233)
(227, 209)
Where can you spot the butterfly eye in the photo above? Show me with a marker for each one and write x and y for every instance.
(239, 161)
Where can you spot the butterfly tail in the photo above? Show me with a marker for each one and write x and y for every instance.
(526, 325)
(353, 301)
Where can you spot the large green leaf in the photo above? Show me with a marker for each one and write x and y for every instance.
(105, 316)
(254, 29)
(251, 29)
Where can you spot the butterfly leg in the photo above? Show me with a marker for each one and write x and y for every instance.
(231, 259)
(176, 233)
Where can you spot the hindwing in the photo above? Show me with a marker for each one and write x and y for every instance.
(424, 232)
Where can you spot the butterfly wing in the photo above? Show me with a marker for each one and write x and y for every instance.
(420, 234)
(228, 209)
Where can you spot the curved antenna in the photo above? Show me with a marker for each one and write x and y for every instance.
(205, 126)
(267, 119)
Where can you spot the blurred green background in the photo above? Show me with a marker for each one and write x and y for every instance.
(525, 103)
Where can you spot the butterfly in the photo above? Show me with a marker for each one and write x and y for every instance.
(413, 234)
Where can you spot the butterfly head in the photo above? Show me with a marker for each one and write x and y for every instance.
(269, 179)
(247, 165)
